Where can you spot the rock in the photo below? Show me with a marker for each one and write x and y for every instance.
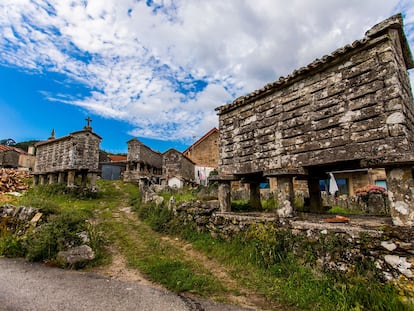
(399, 263)
(388, 245)
(76, 255)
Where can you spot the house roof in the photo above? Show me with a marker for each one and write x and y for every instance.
(117, 158)
(11, 148)
(213, 130)
(394, 22)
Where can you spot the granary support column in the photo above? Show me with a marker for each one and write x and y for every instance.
(224, 196)
(285, 195)
(93, 178)
(315, 198)
(52, 178)
(400, 186)
(255, 201)
(42, 179)
(61, 177)
(35, 180)
(71, 179)
(84, 179)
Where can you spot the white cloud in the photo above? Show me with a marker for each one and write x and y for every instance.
(165, 67)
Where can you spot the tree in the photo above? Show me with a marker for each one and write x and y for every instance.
(7, 142)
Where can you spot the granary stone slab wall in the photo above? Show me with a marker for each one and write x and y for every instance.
(142, 162)
(175, 164)
(77, 151)
(354, 104)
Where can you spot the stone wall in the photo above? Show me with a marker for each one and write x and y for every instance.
(353, 104)
(9, 158)
(335, 246)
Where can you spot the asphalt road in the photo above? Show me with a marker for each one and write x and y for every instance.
(32, 286)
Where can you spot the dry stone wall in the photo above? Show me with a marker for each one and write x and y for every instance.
(335, 247)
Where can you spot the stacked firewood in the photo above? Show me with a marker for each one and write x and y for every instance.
(12, 180)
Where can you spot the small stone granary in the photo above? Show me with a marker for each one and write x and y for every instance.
(61, 160)
(176, 165)
(352, 109)
(143, 164)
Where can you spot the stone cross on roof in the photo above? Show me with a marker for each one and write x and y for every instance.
(88, 125)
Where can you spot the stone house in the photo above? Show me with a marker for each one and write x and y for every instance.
(12, 157)
(62, 160)
(204, 153)
(177, 166)
(143, 164)
(350, 110)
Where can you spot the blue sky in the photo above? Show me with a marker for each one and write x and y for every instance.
(156, 70)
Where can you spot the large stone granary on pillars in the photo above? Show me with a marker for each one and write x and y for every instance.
(64, 159)
(351, 109)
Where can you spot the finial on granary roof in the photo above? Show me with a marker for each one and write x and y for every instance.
(52, 134)
(88, 127)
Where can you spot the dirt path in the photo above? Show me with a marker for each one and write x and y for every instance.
(236, 294)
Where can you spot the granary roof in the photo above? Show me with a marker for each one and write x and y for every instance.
(394, 22)
(53, 140)
(173, 150)
(213, 130)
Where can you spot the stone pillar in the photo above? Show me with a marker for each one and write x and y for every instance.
(42, 179)
(400, 187)
(315, 197)
(51, 179)
(285, 196)
(224, 196)
(71, 179)
(61, 177)
(254, 201)
(84, 179)
(93, 177)
(35, 180)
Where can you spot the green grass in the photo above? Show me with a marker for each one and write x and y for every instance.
(160, 261)
(261, 260)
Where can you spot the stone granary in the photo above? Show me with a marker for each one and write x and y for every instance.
(351, 109)
(62, 160)
(177, 168)
(143, 164)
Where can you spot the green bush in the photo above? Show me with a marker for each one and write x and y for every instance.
(61, 232)
(11, 246)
